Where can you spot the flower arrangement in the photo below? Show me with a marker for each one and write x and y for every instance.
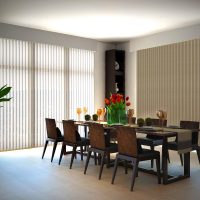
(116, 104)
(117, 101)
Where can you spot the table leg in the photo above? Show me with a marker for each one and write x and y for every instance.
(187, 164)
(164, 161)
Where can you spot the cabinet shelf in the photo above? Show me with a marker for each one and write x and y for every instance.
(115, 76)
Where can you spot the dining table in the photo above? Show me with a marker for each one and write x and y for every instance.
(184, 137)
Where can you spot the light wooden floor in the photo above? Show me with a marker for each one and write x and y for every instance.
(24, 175)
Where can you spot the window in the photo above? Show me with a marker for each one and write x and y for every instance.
(44, 85)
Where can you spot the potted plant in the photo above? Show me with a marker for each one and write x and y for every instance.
(87, 117)
(140, 122)
(148, 121)
(3, 92)
(95, 117)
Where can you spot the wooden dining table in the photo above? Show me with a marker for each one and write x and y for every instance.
(165, 134)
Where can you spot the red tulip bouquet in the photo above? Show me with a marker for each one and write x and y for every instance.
(116, 108)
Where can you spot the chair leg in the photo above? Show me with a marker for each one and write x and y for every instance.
(102, 164)
(73, 155)
(95, 158)
(126, 167)
(115, 169)
(158, 169)
(168, 156)
(198, 154)
(135, 168)
(61, 153)
(152, 149)
(81, 147)
(54, 149)
(45, 146)
(181, 158)
(87, 160)
(108, 159)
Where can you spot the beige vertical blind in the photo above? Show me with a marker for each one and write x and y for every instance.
(15, 116)
(49, 87)
(81, 81)
(169, 79)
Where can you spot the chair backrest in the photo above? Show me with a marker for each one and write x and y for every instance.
(97, 138)
(158, 122)
(127, 141)
(191, 125)
(51, 128)
(69, 129)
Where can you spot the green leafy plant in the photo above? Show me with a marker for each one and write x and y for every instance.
(148, 121)
(140, 122)
(87, 117)
(3, 92)
(95, 117)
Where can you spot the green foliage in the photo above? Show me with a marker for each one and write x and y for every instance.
(95, 117)
(87, 117)
(3, 92)
(140, 122)
(148, 121)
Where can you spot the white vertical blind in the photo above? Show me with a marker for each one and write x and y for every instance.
(15, 68)
(49, 87)
(81, 81)
(47, 81)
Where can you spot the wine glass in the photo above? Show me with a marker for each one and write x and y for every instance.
(99, 112)
(103, 113)
(78, 111)
(85, 110)
(130, 114)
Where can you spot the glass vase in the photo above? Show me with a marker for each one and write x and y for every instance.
(116, 116)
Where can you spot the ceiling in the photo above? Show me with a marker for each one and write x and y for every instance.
(103, 20)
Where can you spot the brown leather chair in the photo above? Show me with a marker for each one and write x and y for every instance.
(151, 140)
(193, 125)
(51, 136)
(99, 145)
(128, 151)
(71, 139)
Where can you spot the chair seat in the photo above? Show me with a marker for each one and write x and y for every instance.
(112, 148)
(172, 145)
(150, 142)
(148, 154)
(59, 139)
(83, 141)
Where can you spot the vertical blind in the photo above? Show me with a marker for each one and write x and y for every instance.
(169, 79)
(44, 78)
(81, 81)
(15, 68)
(49, 87)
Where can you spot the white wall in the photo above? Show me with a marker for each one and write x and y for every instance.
(159, 39)
(35, 35)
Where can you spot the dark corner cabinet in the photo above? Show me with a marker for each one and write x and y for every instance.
(115, 72)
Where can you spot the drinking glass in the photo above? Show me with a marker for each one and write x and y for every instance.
(78, 111)
(85, 110)
(130, 114)
(103, 113)
(99, 112)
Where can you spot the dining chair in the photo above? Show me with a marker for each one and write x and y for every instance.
(52, 136)
(128, 151)
(98, 145)
(192, 125)
(72, 138)
(151, 140)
